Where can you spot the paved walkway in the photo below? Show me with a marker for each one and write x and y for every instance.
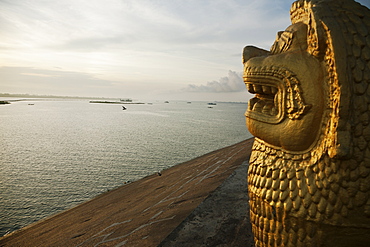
(142, 213)
(222, 219)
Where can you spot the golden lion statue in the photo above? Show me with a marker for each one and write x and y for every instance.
(309, 173)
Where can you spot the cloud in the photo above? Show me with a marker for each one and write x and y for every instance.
(53, 82)
(233, 82)
(143, 45)
(117, 37)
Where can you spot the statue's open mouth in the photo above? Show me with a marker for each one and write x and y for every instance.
(267, 105)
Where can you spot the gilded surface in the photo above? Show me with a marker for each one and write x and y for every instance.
(309, 173)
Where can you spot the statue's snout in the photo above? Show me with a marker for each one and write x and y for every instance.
(252, 51)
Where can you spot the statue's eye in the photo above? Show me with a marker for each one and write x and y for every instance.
(282, 42)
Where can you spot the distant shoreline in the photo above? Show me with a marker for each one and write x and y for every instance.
(34, 96)
(114, 102)
(108, 100)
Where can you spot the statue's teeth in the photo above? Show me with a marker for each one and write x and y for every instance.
(266, 109)
(266, 89)
(257, 88)
(252, 102)
(259, 106)
(273, 111)
(261, 89)
(250, 88)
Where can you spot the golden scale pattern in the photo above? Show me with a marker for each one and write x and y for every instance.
(290, 193)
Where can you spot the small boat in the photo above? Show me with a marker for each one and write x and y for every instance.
(166, 102)
(124, 108)
(125, 100)
(212, 103)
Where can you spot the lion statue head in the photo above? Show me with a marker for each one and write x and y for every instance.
(308, 177)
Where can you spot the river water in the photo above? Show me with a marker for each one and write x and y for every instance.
(56, 154)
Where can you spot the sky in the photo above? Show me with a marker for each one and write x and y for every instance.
(139, 49)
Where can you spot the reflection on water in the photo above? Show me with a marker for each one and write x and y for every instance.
(56, 154)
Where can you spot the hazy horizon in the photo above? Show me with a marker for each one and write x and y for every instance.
(171, 49)
(25, 96)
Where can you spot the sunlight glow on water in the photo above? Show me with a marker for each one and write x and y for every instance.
(57, 154)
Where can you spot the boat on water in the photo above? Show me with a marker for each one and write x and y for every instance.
(125, 100)
(212, 103)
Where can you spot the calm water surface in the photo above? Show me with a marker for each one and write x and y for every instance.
(56, 154)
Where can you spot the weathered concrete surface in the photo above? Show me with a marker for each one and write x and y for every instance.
(142, 213)
(222, 219)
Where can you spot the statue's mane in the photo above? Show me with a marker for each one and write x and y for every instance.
(339, 34)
